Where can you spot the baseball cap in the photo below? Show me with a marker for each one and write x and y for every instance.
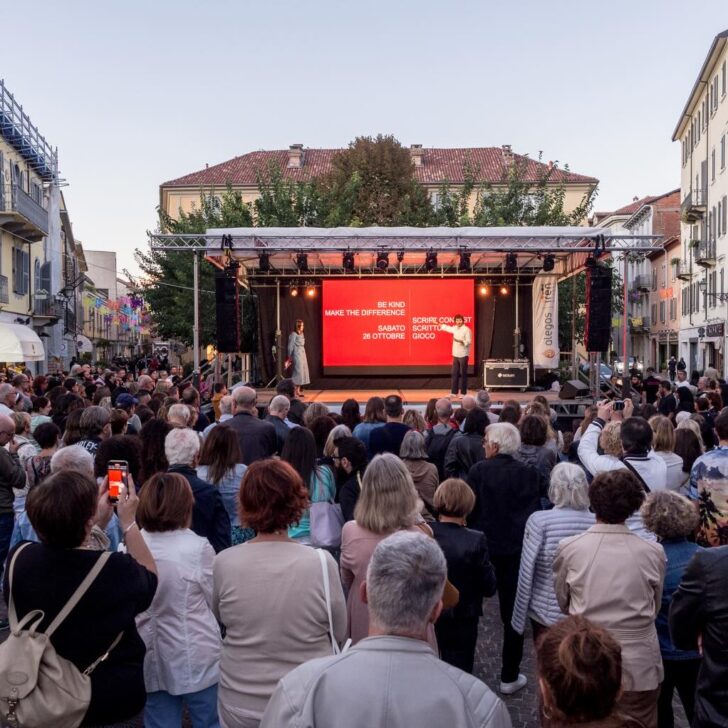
(126, 400)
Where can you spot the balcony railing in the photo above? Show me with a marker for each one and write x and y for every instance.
(682, 270)
(693, 205)
(4, 290)
(21, 215)
(48, 308)
(641, 282)
(705, 254)
(639, 324)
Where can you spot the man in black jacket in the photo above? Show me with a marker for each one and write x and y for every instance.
(288, 389)
(209, 517)
(699, 620)
(507, 492)
(389, 438)
(256, 438)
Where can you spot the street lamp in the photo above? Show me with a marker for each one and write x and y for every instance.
(703, 286)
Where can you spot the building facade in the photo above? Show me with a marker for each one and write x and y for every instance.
(432, 168)
(702, 131)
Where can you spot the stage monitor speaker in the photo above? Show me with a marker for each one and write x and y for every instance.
(573, 388)
(598, 320)
(227, 311)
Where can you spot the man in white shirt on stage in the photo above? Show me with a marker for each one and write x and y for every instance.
(462, 338)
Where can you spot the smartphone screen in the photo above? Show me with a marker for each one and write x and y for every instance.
(118, 472)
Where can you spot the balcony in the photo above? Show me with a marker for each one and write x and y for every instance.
(642, 283)
(639, 324)
(48, 308)
(21, 215)
(4, 290)
(682, 270)
(694, 205)
(705, 254)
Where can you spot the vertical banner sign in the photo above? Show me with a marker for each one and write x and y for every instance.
(546, 321)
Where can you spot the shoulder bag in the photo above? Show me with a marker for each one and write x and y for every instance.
(38, 687)
(335, 649)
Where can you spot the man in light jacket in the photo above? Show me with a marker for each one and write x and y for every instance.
(406, 684)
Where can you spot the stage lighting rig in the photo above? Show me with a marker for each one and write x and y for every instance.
(483, 288)
(264, 263)
(464, 266)
(382, 260)
(400, 256)
(549, 261)
(310, 290)
(430, 261)
(293, 290)
(302, 262)
(511, 264)
(347, 262)
(503, 290)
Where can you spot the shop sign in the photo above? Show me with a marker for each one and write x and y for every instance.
(715, 330)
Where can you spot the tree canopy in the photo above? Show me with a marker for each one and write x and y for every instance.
(372, 182)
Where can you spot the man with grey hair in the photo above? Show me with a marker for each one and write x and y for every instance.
(8, 397)
(507, 492)
(209, 517)
(482, 401)
(256, 438)
(278, 409)
(438, 439)
(226, 413)
(406, 684)
(95, 426)
(73, 457)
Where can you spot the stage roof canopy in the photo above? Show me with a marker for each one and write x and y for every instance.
(274, 252)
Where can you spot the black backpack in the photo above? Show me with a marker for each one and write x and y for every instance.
(436, 445)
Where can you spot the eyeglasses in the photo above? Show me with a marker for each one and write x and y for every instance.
(9, 434)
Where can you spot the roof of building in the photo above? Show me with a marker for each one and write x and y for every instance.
(638, 203)
(715, 48)
(489, 164)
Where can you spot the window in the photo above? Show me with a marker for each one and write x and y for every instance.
(722, 152)
(724, 224)
(21, 271)
(712, 166)
(722, 80)
(673, 309)
(720, 218)
(654, 279)
(653, 312)
(35, 192)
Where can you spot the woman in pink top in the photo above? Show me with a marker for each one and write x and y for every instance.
(388, 503)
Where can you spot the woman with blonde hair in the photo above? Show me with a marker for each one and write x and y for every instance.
(694, 427)
(337, 433)
(415, 421)
(388, 502)
(663, 443)
(314, 411)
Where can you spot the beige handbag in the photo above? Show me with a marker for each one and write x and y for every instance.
(38, 687)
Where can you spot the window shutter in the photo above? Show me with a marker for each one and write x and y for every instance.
(725, 214)
(45, 276)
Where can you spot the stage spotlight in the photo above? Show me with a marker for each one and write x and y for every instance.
(264, 262)
(302, 262)
(430, 261)
(464, 264)
(293, 290)
(347, 262)
(484, 289)
(310, 290)
(504, 290)
(511, 265)
(382, 260)
(400, 256)
(548, 263)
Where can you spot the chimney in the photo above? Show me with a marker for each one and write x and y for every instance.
(295, 156)
(416, 154)
(635, 198)
(507, 154)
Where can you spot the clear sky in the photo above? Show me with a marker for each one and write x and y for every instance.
(134, 93)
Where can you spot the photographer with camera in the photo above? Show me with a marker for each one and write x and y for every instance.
(636, 438)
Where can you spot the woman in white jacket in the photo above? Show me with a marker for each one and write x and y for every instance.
(179, 629)
(535, 598)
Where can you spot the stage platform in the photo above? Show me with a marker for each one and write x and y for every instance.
(418, 398)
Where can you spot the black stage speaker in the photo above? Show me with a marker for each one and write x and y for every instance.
(573, 388)
(598, 323)
(227, 311)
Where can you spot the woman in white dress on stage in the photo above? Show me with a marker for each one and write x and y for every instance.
(297, 355)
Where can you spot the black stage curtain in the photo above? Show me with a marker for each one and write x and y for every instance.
(494, 326)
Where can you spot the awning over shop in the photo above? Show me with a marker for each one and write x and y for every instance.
(84, 345)
(20, 343)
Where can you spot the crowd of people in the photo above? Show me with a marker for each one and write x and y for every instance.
(288, 565)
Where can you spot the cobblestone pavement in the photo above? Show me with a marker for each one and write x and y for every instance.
(523, 706)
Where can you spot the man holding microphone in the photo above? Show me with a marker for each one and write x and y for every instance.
(462, 338)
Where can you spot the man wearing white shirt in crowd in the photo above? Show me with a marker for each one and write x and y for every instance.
(462, 338)
(682, 381)
(8, 397)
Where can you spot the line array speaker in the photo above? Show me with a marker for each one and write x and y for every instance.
(598, 324)
(227, 311)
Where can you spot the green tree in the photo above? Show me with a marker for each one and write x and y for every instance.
(288, 204)
(167, 277)
(372, 183)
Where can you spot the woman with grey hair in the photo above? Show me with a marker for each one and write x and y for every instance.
(535, 597)
(424, 474)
